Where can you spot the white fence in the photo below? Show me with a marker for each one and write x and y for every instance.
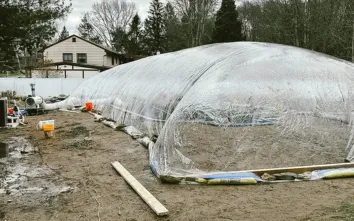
(45, 87)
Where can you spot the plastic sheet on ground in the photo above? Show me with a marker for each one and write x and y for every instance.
(231, 107)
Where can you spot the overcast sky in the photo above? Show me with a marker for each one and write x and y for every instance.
(81, 6)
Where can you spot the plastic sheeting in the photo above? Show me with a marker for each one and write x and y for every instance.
(231, 107)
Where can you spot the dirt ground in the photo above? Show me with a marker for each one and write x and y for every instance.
(214, 148)
(70, 178)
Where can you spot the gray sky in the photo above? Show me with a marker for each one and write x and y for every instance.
(81, 6)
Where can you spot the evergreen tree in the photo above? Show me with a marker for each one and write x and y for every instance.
(120, 40)
(95, 39)
(86, 30)
(134, 36)
(64, 34)
(154, 27)
(227, 26)
(173, 26)
(26, 26)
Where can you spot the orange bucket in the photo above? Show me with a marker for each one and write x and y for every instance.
(89, 106)
(48, 127)
(48, 130)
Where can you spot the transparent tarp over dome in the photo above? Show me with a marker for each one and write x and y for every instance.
(232, 107)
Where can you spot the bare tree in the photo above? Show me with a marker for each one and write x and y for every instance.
(109, 15)
(196, 16)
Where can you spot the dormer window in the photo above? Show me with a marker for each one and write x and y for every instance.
(74, 39)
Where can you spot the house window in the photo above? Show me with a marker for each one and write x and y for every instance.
(112, 60)
(68, 57)
(74, 39)
(82, 58)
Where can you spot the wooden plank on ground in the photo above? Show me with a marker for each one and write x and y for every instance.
(299, 169)
(155, 205)
(302, 169)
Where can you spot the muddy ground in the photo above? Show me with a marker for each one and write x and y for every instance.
(70, 178)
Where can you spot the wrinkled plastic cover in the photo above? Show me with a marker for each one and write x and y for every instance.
(231, 107)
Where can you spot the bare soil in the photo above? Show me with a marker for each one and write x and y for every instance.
(214, 148)
(97, 192)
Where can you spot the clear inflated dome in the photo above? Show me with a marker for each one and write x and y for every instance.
(232, 107)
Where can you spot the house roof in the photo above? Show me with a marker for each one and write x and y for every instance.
(108, 50)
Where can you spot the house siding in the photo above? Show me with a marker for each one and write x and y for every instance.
(95, 55)
(108, 60)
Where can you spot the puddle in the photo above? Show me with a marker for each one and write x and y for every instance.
(24, 177)
(4, 150)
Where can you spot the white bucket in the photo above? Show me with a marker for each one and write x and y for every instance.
(41, 123)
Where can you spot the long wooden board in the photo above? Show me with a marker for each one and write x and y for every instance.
(155, 205)
(302, 169)
(299, 169)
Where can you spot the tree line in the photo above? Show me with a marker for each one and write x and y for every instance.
(25, 27)
(321, 25)
(176, 25)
